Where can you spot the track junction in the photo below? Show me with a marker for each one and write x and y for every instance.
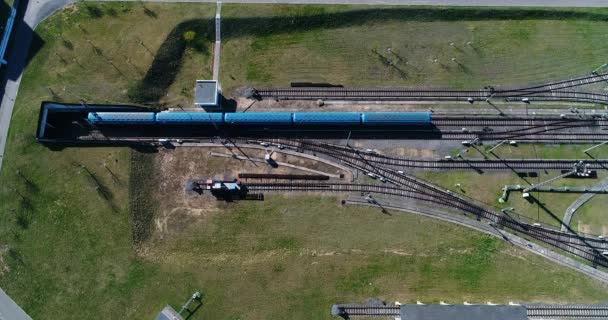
(589, 248)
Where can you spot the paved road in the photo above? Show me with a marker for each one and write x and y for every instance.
(37, 11)
(9, 310)
(218, 42)
(579, 202)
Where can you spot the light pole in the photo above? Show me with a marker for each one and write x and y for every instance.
(598, 145)
(496, 146)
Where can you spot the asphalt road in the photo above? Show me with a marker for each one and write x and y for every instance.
(9, 310)
(37, 10)
(579, 202)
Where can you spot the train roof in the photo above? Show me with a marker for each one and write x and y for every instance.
(326, 117)
(206, 93)
(258, 117)
(121, 117)
(186, 117)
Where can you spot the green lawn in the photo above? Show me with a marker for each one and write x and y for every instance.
(366, 45)
(69, 219)
(592, 217)
(296, 255)
(67, 227)
(484, 188)
(487, 188)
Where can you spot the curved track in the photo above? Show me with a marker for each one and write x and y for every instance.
(588, 248)
(400, 163)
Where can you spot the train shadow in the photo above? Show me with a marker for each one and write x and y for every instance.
(64, 125)
(144, 136)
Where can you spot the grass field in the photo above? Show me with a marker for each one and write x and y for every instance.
(592, 217)
(482, 188)
(476, 185)
(296, 255)
(67, 228)
(86, 60)
(277, 44)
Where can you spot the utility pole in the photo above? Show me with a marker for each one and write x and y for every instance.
(598, 145)
(496, 146)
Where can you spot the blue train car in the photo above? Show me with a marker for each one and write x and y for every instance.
(396, 118)
(328, 118)
(270, 118)
(189, 117)
(122, 117)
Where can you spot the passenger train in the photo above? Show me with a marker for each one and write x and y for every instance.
(262, 118)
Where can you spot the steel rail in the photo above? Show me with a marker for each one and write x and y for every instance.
(533, 311)
(550, 236)
(548, 92)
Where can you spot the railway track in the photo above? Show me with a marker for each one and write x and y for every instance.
(460, 121)
(552, 91)
(588, 248)
(453, 164)
(563, 84)
(566, 311)
(362, 310)
(413, 94)
(533, 311)
(581, 129)
(405, 192)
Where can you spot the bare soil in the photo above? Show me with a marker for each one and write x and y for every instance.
(3, 265)
(244, 104)
(176, 168)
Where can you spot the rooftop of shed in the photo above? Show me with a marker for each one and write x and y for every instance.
(205, 93)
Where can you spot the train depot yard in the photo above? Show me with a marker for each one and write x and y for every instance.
(337, 153)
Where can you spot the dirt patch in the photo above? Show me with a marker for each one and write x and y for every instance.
(397, 252)
(177, 207)
(310, 106)
(3, 265)
(515, 253)
(584, 228)
(175, 169)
